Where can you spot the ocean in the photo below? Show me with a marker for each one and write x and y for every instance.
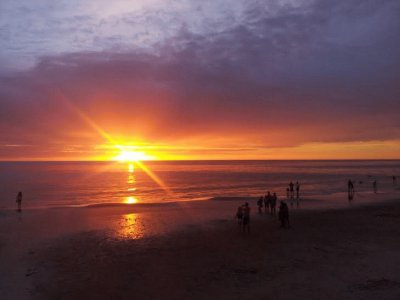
(59, 184)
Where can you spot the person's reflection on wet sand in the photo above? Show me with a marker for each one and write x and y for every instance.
(19, 201)
(351, 195)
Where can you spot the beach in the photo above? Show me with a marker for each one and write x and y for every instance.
(192, 149)
(196, 251)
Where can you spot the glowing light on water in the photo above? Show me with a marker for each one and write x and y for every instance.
(130, 227)
(131, 179)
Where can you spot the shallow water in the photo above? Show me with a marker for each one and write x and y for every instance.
(49, 184)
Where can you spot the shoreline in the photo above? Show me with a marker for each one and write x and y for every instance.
(325, 199)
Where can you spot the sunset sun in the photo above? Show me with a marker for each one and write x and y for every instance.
(127, 155)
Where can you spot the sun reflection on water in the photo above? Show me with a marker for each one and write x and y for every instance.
(131, 181)
(130, 227)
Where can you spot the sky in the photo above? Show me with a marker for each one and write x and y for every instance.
(199, 79)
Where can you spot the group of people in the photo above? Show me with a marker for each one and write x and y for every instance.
(290, 190)
(350, 186)
(269, 202)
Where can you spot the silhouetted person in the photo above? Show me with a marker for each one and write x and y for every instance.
(274, 198)
(375, 186)
(291, 185)
(19, 200)
(394, 180)
(350, 190)
(267, 202)
(239, 215)
(350, 186)
(284, 215)
(246, 217)
(288, 196)
(297, 190)
(260, 204)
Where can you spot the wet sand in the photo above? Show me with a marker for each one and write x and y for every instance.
(351, 253)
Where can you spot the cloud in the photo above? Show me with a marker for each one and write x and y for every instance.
(275, 75)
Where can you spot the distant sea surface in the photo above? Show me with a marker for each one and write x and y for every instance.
(52, 184)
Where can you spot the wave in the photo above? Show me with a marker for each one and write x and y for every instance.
(156, 204)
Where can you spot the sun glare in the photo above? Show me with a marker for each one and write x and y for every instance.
(131, 200)
(127, 155)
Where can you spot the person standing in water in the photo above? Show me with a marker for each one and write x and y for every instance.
(375, 186)
(350, 187)
(19, 201)
(297, 190)
(291, 185)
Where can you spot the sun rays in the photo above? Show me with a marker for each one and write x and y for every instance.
(126, 153)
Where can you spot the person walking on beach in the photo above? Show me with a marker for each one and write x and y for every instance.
(267, 202)
(246, 217)
(394, 180)
(260, 204)
(375, 186)
(19, 201)
(239, 215)
(274, 198)
(284, 215)
(291, 190)
(297, 190)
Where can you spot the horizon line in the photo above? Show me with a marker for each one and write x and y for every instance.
(199, 160)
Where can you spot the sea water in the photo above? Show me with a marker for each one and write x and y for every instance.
(57, 184)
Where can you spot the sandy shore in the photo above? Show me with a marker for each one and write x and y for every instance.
(349, 253)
